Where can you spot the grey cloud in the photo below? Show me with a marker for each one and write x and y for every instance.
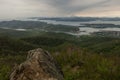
(64, 6)
(28, 8)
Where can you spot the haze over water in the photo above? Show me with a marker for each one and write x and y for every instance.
(83, 30)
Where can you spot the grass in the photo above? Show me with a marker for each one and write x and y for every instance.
(80, 59)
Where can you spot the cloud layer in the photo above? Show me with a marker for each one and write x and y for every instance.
(31, 8)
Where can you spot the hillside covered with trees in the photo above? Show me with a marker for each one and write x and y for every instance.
(80, 57)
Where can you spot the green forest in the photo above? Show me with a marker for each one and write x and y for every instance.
(87, 57)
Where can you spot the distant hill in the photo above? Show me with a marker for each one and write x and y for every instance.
(36, 25)
(82, 19)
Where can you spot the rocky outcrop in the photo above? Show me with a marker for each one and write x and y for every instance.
(38, 66)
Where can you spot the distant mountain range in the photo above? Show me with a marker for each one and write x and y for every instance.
(78, 18)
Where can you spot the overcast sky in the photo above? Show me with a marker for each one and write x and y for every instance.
(54, 8)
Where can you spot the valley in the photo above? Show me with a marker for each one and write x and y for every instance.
(87, 53)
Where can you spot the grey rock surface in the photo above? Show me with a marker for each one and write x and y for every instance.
(39, 65)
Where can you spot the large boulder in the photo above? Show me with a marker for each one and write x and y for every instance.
(38, 66)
